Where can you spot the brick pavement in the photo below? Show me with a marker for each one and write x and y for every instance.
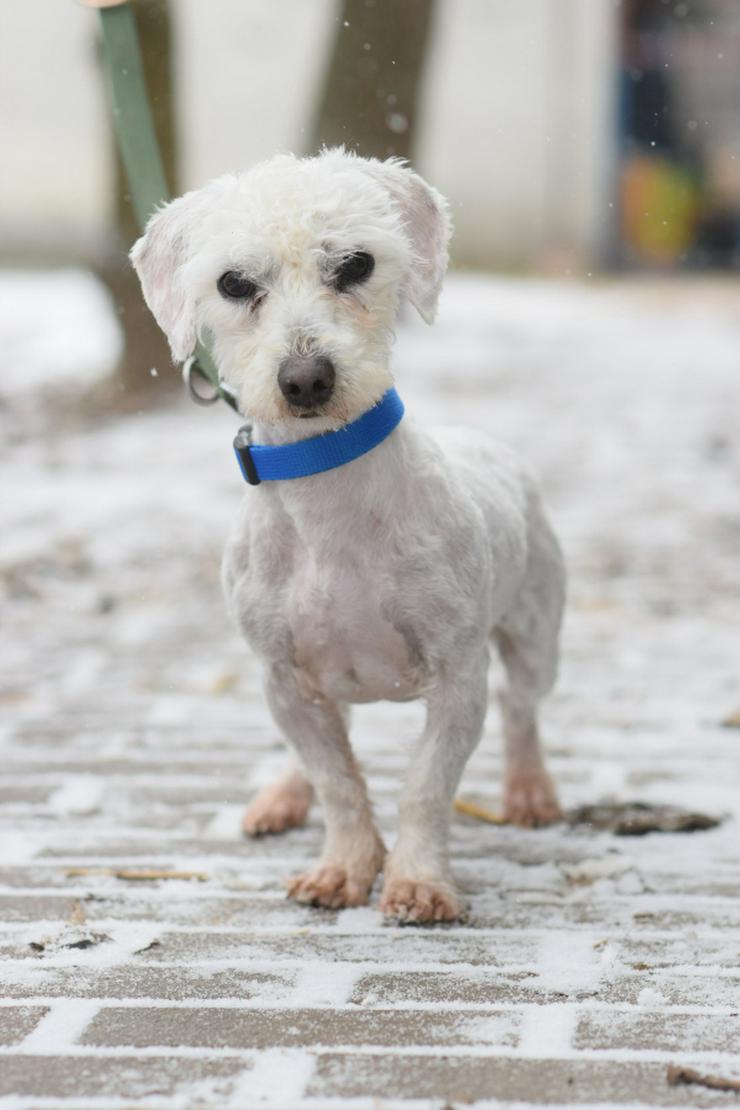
(133, 731)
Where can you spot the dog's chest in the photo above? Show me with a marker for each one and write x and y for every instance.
(345, 643)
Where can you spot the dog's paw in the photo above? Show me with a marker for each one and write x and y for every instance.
(412, 902)
(283, 805)
(530, 800)
(333, 886)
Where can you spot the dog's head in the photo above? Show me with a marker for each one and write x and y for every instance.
(296, 269)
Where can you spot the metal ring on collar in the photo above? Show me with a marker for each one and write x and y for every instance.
(187, 377)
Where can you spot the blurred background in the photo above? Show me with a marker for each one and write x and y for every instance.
(573, 138)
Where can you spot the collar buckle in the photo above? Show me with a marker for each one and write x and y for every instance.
(242, 448)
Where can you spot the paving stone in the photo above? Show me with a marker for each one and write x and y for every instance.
(401, 948)
(24, 908)
(714, 991)
(29, 793)
(520, 913)
(173, 911)
(452, 986)
(686, 949)
(671, 1032)
(222, 792)
(464, 1079)
(16, 1022)
(97, 881)
(175, 984)
(127, 1077)
(204, 768)
(526, 986)
(240, 1028)
(155, 849)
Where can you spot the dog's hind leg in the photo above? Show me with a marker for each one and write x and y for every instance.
(280, 806)
(529, 794)
(528, 644)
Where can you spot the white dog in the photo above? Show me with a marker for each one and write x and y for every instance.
(387, 577)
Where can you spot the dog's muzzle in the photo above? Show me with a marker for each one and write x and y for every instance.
(306, 381)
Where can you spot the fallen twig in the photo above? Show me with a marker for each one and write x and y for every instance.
(135, 875)
(677, 1075)
(472, 809)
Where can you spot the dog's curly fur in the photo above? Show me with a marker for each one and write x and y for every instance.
(390, 577)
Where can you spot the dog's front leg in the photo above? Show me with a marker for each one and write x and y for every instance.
(353, 850)
(418, 886)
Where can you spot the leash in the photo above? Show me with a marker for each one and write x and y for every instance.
(142, 161)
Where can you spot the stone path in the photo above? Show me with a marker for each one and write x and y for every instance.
(133, 730)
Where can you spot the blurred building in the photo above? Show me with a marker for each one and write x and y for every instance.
(568, 134)
(679, 133)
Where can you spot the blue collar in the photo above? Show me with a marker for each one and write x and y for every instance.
(325, 452)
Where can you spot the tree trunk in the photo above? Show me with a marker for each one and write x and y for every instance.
(371, 94)
(145, 347)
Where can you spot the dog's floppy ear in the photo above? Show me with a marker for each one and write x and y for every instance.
(158, 258)
(428, 225)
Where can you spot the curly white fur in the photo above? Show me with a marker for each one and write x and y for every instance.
(390, 577)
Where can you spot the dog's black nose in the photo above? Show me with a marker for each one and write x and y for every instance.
(306, 381)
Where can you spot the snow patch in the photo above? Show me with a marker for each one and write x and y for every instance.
(547, 1031)
(79, 796)
(567, 963)
(56, 327)
(278, 1079)
(325, 984)
(651, 997)
(605, 867)
(61, 1028)
(226, 824)
(71, 944)
(19, 847)
(359, 919)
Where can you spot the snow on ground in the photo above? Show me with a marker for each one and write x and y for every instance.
(58, 328)
(133, 729)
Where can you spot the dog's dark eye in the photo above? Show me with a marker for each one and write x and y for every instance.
(235, 287)
(354, 269)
